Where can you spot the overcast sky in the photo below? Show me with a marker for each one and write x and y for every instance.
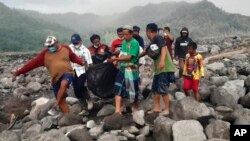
(104, 7)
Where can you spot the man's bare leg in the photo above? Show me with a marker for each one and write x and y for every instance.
(118, 100)
(61, 101)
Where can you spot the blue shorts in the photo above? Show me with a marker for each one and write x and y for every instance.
(66, 76)
(161, 83)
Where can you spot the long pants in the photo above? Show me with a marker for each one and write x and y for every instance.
(80, 89)
(181, 65)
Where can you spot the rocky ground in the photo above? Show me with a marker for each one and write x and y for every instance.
(225, 97)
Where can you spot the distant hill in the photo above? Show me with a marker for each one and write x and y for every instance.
(202, 18)
(20, 32)
(25, 30)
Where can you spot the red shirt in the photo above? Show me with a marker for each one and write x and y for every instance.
(169, 43)
(116, 45)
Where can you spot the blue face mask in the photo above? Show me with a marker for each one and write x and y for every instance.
(52, 49)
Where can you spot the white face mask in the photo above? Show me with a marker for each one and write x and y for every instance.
(96, 46)
(121, 38)
(77, 46)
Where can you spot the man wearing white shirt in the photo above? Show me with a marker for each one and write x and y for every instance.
(79, 80)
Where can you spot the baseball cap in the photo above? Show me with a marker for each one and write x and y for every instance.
(50, 40)
(75, 39)
(128, 27)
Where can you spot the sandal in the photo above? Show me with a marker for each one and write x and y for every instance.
(164, 113)
(153, 111)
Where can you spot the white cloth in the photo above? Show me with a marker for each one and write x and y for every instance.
(142, 60)
(83, 53)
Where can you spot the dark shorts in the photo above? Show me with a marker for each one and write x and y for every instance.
(161, 83)
(66, 76)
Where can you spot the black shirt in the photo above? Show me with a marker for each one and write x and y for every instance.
(140, 40)
(156, 44)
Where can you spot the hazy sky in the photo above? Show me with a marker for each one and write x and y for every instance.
(103, 7)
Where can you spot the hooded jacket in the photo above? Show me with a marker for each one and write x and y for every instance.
(181, 43)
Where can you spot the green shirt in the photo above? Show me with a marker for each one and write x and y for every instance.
(169, 65)
(130, 48)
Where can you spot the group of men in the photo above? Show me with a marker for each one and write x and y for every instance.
(68, 63)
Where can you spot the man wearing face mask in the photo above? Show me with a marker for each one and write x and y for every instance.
(56, 58)
(117, 43)
(79, 80)
(99, 52)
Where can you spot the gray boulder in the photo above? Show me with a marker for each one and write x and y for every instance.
(18, 92)
(241, 113)
(96, 131)
(6, 82)
(34, 86)
(40, 108)
(106, 110)
(32, 131)
(48, 122)
(188, 108)
(163, 129)
(110, 120)
(145, 130)
(75, 109)
(219, 80)
(79, 135)
(108, 137)
(235, 87)
(188, 130)
(140, 138)
(241, 121)
(247, 81)
(215, 66)
(204, 91)
(90, 124)
(9, 136)
(133, 130)
(215, 49)
(69, 119)
(179, 95)
(245, 100)
(128, 135)
(138, 117)
(221, 97)
(52, 135)
(218, 129)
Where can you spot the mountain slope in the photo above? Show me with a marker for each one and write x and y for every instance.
(20, 32)
(202, 18)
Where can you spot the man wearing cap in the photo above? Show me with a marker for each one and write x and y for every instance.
(181, 47)
(79, 80)
(56, 58)
(127, 79)
(136, 35)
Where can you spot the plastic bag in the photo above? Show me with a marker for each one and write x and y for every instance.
(101, 79)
